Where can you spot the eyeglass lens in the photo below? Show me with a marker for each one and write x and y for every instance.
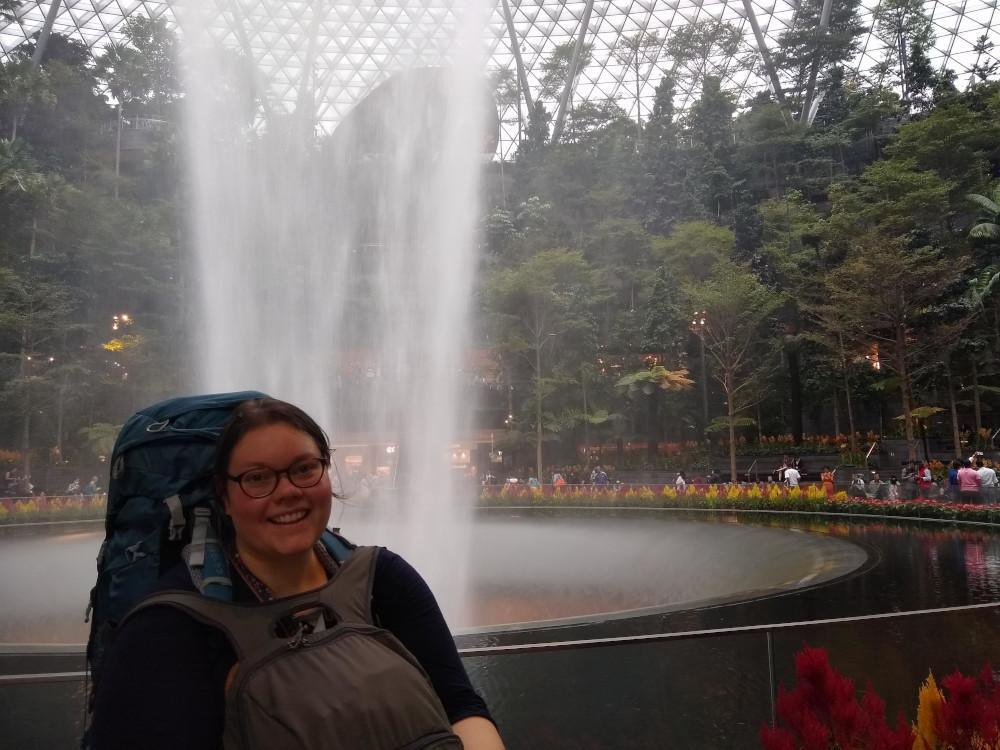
(263, 481)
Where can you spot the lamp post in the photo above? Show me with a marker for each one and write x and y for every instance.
(698, 323)
(121, 345)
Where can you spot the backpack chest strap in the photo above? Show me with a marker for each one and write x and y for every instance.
(253, 627)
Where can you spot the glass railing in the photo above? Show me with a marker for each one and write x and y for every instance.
(701, 689)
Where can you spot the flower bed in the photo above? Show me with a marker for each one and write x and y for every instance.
(37, 509)
(811, 499)
(823, 711)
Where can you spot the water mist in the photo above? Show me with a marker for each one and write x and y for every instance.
(336, 272)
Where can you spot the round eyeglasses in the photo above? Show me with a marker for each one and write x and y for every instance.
(262, 481)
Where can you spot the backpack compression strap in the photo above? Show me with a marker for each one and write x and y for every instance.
(206, 559)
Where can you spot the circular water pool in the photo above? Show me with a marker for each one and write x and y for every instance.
(526, 571)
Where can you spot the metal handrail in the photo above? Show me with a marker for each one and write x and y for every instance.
(591, 643)
(714, 632)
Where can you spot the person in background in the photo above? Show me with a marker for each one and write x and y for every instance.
(924, 480)
(74, 487)
(792, 476)
(987, 482)
(600, 477)
(909, 481)
(90, 488)
(827, 478)
(680, 484)
(968, 484)
(952, 486)
(892, 492)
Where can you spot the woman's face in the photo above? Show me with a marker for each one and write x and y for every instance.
(289, 520)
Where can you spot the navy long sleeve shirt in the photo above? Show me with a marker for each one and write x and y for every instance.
(163, 681)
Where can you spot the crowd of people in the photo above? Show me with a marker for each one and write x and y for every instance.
(970, 481)
(17, 484)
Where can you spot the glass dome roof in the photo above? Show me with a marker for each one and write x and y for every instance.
(358, 45)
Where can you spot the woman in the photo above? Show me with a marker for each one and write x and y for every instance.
(924, 480)
(164, 681)
(968, 484)
(953, 480)
(827, 478)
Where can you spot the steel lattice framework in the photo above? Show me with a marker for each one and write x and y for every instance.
(358, 45)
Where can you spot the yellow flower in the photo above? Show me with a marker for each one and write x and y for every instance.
(928, 712)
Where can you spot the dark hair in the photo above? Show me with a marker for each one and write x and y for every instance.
(260, 412)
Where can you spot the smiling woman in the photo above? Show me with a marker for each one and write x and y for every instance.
(172, 678)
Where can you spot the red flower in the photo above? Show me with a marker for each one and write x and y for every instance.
(962, 714)
(822, 708)
(776, 739)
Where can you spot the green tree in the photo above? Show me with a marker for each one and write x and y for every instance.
(21, 85)
(694, 248)
(638, 52)
(140, 74)
(35, 319)
(672, 187)
(65, 137)
(808, 53)
(901, 25)
(624, 249)
(710, 119)
(555, 69)
(893, 198)
(546, 301)
(503, 84)
(736, 309)
(894, 318)
(693, 46)
(792, 234)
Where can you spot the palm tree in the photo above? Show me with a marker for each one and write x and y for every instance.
(21, 83)
(652, 382)
(987, 226)
(16, 168)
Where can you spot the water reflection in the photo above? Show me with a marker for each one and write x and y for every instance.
(911, 566)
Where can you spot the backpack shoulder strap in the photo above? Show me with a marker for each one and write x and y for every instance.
(253, 628)
(337, 545)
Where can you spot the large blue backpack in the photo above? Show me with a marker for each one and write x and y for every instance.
(160, 500)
